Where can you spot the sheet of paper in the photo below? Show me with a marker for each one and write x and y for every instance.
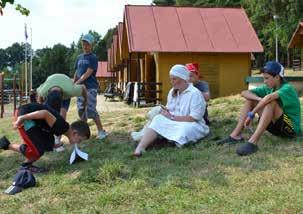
(72, 157)
(80, 153)
(77, 153)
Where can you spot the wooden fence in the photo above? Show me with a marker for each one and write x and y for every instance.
(9, 95)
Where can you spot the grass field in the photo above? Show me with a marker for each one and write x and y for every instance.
(201, 178)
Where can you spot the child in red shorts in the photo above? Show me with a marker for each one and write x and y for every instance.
(37, 125)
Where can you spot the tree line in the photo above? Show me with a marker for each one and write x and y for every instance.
(50, 60)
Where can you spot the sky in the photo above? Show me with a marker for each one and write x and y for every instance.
(60, 21)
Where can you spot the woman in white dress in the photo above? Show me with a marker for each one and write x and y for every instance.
(181, 121)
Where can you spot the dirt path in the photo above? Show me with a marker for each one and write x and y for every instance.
(111, 106)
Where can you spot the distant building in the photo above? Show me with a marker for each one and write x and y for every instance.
(103, 76)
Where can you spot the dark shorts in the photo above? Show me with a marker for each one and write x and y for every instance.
(35, 142)
(54, 99)
(65, 104)
(282, 127)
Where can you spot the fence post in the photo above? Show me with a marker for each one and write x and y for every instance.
(139, 93)
(20, 92)
(2, 94)
(14, 93)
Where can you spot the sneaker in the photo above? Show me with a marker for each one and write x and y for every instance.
(247, 149)
(102, 134)
(4, 143)
(59, 149)
(229, 140)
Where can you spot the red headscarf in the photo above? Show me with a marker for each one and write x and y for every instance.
(193, 68)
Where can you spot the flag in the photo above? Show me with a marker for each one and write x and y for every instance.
(25, 32)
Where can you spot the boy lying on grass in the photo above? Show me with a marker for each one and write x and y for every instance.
(37, 125)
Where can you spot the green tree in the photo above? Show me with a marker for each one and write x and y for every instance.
(15, 54)
(3, 59)
(48, 61)
(108, 38)
(164, 2)
(100, 45)
(18, 7)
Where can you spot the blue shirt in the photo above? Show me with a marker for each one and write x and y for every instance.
(83, 62)
(202, 86)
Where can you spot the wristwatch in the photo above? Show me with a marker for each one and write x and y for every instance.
(251, 115)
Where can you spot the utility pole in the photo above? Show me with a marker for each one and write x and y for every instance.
(31, 62)
(276, 20)
(25, 34)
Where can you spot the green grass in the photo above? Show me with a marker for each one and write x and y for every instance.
(201, 178)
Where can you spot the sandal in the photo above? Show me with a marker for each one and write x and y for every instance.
(229, 140)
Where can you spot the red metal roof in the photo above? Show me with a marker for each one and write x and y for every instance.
(102, 69)
(189, 29)
(297, 37)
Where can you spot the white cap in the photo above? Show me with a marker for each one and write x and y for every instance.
(179, 71)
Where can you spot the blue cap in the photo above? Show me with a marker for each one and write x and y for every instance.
(273, 68)
(88, 38)
(23, 179)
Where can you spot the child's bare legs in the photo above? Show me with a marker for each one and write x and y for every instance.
(248, 106)
(15, 147)
(98, 123)
(271, 112)
(58, 147)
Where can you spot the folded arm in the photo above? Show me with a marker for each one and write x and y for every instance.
(265, 100)
(250, 96)
(36, 115)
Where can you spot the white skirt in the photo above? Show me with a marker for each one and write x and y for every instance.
(179, 132)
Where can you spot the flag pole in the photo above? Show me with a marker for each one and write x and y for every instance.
(31, 62)
(25, 34)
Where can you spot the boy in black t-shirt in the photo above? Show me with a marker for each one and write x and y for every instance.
(37, 125)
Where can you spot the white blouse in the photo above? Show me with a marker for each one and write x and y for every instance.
(187, 103)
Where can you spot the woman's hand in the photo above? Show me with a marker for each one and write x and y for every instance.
(166, 113)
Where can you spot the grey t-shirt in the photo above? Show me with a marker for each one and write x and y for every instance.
(202, 86)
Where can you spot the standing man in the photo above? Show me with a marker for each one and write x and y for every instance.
(203, 87)
(86, 68)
